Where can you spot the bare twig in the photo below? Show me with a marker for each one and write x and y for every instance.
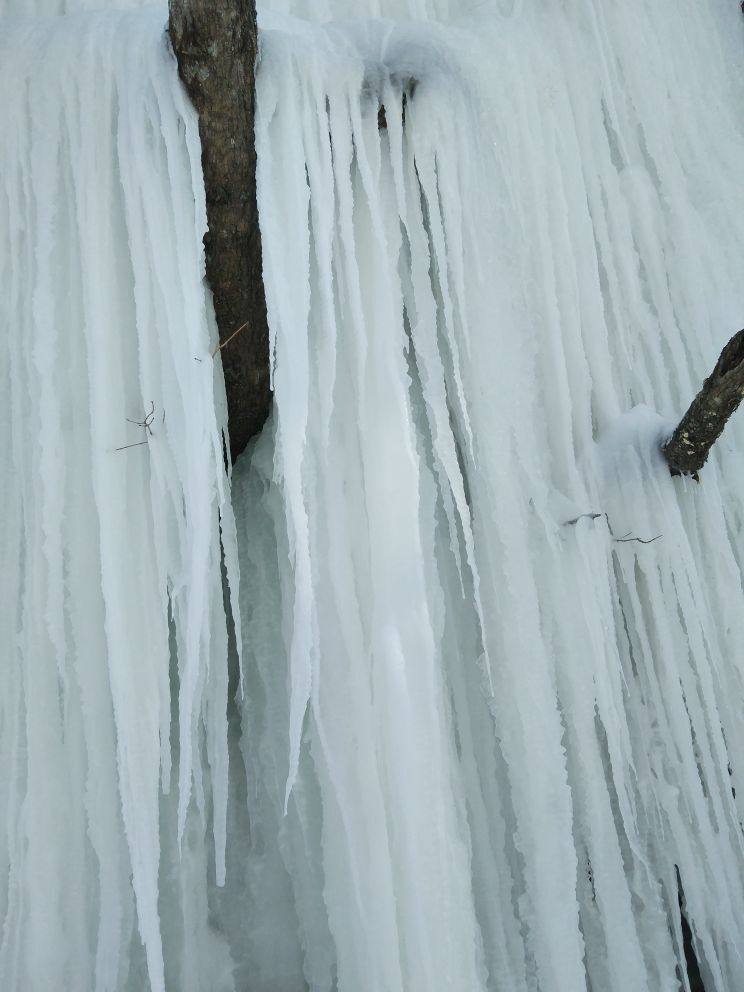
(640, 540)
(220, 346)
(625, 539)
(136, 444)
(145, 424)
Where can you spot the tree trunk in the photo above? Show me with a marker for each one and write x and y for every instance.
(215, 43)
(687, 449)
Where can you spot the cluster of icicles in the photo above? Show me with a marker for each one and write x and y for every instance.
(392, 709)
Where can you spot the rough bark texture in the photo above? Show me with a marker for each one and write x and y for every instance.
(687, 449)
(215, 43)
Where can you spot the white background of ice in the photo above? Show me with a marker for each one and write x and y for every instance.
(477, 737)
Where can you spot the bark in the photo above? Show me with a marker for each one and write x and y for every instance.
(687, 449)
(215, 43)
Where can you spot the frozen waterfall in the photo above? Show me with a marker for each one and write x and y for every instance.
(443, 687)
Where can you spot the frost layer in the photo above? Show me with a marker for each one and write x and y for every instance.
(113, 682)
(488, 734)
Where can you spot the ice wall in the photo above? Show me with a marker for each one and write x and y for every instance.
(113, 682)
(32, 9)
(487, 725)
(486, 732)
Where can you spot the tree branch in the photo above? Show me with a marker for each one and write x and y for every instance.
(687, 449)
(215, 43)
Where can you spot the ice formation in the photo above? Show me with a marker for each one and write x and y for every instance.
(490, 725)
(110, 543)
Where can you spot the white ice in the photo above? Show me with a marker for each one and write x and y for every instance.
(516, 719)
(491, 725)
(110, 549)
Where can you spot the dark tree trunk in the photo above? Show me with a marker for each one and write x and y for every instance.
(687, 449)
(215, 43)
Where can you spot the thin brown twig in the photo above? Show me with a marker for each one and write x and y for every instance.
(145, 424)
(640, 540)
(220, 346)
(625, 539)
(136, 444)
